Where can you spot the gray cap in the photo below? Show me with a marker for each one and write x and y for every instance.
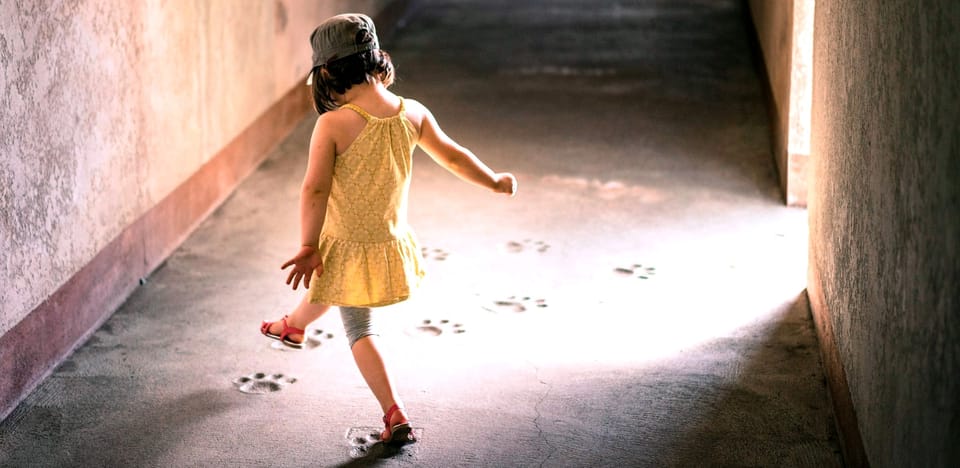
(341, 36)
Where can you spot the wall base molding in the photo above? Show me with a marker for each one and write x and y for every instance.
(838, 388)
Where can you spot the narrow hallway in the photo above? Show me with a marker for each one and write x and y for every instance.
(639, 303)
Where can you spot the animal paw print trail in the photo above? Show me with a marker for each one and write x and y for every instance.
(313, 339)
(362, 440)
(528, 245)
(519, 304)
(261, 383)
(429, 327)
(317, 337)
(636, 270)
(365, 443)
(434, 254)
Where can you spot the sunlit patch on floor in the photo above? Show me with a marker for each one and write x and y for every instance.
(605, 190)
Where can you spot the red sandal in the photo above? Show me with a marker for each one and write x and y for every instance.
(399, 433)
(282, 337)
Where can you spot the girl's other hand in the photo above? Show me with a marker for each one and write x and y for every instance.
(304, 264)
(506, 183)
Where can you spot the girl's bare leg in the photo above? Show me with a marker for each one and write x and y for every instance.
(370, 363)
(304, 314)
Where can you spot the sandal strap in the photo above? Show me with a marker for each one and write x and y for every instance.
(386, 417)
(288, 330)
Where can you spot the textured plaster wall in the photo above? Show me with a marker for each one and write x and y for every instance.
(884, 221)
(801, 90)
(106, 106)
(773, 20)
(785, 29)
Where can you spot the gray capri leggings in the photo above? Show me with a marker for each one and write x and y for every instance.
(356, 322)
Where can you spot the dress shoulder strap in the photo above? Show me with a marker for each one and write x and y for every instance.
(366, 115)
(360, 111)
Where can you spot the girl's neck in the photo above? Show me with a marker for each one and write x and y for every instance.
(366, 92)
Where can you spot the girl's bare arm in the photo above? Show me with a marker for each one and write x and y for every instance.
(315, 189)
(459, 160)
(314, 193)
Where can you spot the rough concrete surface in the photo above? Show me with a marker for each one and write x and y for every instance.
(107, 106)
(61, 147)
(639, 303)
(883, 219)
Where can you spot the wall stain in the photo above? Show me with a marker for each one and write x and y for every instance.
(281, 17)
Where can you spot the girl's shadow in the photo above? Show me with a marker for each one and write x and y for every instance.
(375, 455)
(368, 450)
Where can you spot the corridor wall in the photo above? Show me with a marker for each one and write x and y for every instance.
(885, 225)
(773, 22)
(784, 31)
(122, 125)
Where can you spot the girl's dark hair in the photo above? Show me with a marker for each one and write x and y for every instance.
(340, 75)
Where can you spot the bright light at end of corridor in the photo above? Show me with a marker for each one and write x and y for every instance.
(699, 294)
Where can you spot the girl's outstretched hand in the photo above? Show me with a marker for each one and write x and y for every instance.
(304, 264)
(506, 183)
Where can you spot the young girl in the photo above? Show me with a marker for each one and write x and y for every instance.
(357, 249)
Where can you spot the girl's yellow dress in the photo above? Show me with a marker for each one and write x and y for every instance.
(370, 253)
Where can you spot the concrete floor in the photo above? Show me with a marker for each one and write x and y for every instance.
(639, 303)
